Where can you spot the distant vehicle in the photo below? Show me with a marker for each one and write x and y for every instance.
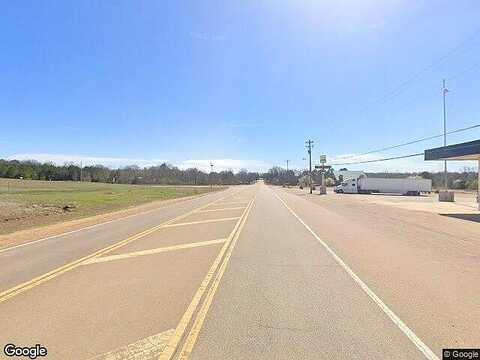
(365, 185)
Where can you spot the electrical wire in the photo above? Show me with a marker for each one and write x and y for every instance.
(464, 71)
(377, 160)
(400, 88)
(466, 146)
(413, 141)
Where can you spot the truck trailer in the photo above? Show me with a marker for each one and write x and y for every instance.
(366, 185)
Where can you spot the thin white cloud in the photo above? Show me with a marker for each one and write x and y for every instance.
(60, 159)
(226, 164)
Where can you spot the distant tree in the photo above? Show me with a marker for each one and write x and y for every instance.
(162, 174)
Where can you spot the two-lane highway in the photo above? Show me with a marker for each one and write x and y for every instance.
(254, 272)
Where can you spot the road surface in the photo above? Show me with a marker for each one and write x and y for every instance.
(253, 272)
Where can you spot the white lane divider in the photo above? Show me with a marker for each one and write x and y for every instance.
(429, 354)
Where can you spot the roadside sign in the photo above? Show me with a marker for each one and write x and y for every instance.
(323, 159)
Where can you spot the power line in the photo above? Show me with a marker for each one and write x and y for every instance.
(378, 160)
(397, 157)
(413, 141)
(464, 71)
(399, 89)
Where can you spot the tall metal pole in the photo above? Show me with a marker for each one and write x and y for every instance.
(309, 146)
(444, 91)
(286, 175)
(81, 170)
(211, 171)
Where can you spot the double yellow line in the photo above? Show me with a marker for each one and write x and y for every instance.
(206, 291)
(5, 295)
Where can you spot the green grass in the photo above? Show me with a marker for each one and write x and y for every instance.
(84, 198)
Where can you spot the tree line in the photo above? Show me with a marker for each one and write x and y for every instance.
(166, 174)
(163, 174)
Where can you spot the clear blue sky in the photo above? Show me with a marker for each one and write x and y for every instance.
(244, 83)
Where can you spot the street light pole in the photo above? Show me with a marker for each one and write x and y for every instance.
(286, 175)
(211, 171)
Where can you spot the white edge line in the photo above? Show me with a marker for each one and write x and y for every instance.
(94, 225)
(429, 354)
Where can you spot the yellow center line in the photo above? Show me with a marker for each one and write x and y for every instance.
(202, 313)
(202, 221)
(153, 251)
(171, 348)
(149, 348)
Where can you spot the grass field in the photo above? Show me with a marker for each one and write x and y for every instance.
(29, 203)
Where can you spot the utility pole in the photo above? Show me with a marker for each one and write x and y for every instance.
(211, 171)
(286, 175)
(309, 146)
(81, 170)
(444, 92)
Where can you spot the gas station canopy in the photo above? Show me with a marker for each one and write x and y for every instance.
(463, 151)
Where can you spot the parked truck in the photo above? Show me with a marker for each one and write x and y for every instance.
(366, 185)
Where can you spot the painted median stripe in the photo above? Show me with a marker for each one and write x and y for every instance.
(149, 348)
(153, 251)
(202, 222)
(224, 209)
(233, 203)
(427, 352)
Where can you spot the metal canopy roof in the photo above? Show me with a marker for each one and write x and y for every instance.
(463, 151)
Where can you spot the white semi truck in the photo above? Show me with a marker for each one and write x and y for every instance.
(366, 185)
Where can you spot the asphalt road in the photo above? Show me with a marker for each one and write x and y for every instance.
(254, 272)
